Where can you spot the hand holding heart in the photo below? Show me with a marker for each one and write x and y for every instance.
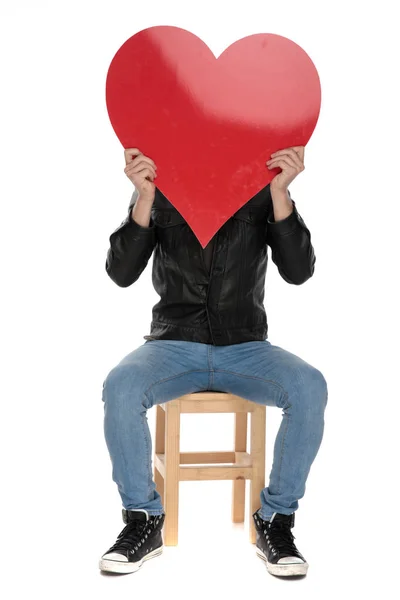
(291, 161)
(141, 170)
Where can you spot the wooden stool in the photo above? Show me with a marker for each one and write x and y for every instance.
(172, 466)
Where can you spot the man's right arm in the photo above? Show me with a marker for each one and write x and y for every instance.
(132, 243)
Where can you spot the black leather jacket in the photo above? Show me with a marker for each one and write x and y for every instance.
(225, 306)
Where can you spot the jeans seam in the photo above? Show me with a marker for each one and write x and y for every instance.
(174, 377)
(210, 369)
(253, 377)
(149, 473)
(282, 450)
(124, 461)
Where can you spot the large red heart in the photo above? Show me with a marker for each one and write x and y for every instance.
(211, 124)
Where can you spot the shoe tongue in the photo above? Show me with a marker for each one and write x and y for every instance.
(134, 515)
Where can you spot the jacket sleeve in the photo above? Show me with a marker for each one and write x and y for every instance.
(290, 242)
(131, 246)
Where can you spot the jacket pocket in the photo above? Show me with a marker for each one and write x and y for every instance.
(166, 217)
(169, 225)
(255, 216)
(251, 224)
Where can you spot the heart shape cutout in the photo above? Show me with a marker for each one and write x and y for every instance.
(210, 124)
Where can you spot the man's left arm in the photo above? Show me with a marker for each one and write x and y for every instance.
(289, 239)
(287, 234)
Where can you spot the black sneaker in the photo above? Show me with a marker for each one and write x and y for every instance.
(140, 540)
(275, 545)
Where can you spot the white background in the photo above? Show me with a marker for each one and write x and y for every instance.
(65, 324)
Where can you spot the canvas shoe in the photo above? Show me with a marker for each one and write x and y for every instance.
(140, 540)
(275, 545)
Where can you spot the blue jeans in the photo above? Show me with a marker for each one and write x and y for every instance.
(161, 370)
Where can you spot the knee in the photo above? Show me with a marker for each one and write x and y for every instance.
(123, 389)
(312, 388)
(318, 388)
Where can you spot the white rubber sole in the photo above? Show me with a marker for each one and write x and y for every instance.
(116, 566)
(282, 569)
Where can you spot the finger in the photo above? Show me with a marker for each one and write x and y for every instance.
(130, 154)
(148, 174)
(143, 158)
(141, 163)
(300, 151)
(291, 152)
(297, 149)
(293, 156)
(135, 167)
(298, 156)
(284, 161)
(143, 173)
(297, 160)
(280, 164)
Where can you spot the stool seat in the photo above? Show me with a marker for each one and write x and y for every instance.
(172, 466)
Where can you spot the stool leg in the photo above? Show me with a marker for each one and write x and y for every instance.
(172, 464)
(159, 449)
(257, 483)
(239, 485)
